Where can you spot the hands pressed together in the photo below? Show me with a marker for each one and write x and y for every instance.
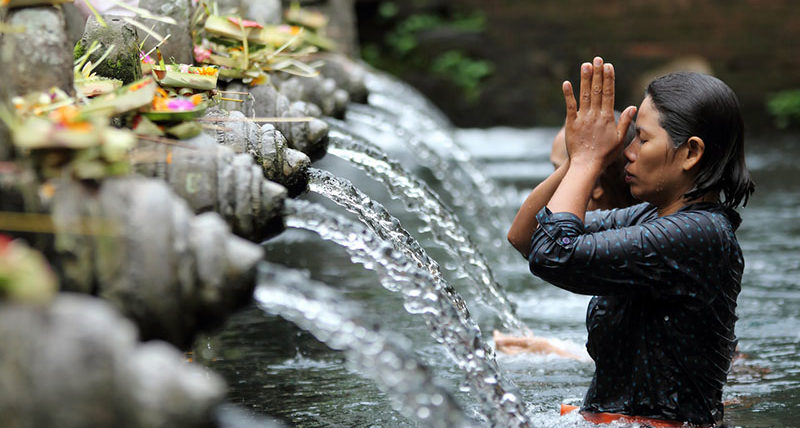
(594, 140)
(592, 133)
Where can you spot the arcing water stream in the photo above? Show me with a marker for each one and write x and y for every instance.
(442, 223)
(384, 359)
(466, 189)
(423, 295)
(380, 221)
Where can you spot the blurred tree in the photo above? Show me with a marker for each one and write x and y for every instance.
(425, 39)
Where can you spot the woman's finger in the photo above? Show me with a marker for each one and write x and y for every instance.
(586, 85)
(597, 83)
(625, 120)
(607, 107)
(569, 100)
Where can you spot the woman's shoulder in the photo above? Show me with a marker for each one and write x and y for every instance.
(706, 218)
(710, 212)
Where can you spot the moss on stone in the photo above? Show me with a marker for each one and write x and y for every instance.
(78, 50)
(125, 68)
(123, 62)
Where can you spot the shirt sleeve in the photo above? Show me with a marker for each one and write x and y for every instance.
(674, 255)
(599, 220)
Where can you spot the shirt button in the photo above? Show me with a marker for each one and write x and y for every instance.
(565, 240)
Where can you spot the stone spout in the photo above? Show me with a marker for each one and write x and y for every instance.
(212, 177)
(76, 362)
(310, 136)
(348, 74)
(323, 92)
(266, 144)
(132, 241)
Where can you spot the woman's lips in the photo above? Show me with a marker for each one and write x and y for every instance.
(628, 177)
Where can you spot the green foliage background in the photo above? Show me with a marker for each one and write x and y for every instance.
(785, 108)
(400, 50)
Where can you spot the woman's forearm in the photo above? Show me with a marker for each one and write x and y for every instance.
(593, 137)
(574, 190)
(524, 224)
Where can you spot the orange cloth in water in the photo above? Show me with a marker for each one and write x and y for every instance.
(607, 418)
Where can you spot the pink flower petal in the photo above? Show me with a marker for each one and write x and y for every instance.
(244, 22)
(180, 104)
(201, 54)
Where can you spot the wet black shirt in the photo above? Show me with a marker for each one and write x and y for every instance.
(661, 324)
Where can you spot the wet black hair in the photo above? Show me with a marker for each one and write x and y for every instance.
(694, 104)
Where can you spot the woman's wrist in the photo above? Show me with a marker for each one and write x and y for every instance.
(587, 164)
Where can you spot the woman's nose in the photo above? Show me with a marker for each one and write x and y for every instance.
(630, 152)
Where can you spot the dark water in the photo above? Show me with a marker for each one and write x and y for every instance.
(274, 368)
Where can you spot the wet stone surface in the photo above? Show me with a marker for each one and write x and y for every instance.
(212, 177)
(171, 272)
(321, 91)
(348, 74)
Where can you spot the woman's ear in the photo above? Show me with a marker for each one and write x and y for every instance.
(695, 148)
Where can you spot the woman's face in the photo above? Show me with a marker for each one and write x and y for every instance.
(654, 172)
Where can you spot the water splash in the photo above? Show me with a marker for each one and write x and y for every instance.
(384, 359)
(417, 114)
(441, 222)
(379, 220)
(460, 178)
(498, 402)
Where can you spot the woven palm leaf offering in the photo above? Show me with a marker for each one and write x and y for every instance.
(25, 275)
(172, 113)
(186, 76)
(184, 94)
(172, 106)
(311, 19)
(60, 139)
(126, 99)
(248, 50)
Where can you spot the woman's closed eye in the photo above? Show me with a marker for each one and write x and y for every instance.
(639, 135)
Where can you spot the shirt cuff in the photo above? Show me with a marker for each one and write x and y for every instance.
(562, 228)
